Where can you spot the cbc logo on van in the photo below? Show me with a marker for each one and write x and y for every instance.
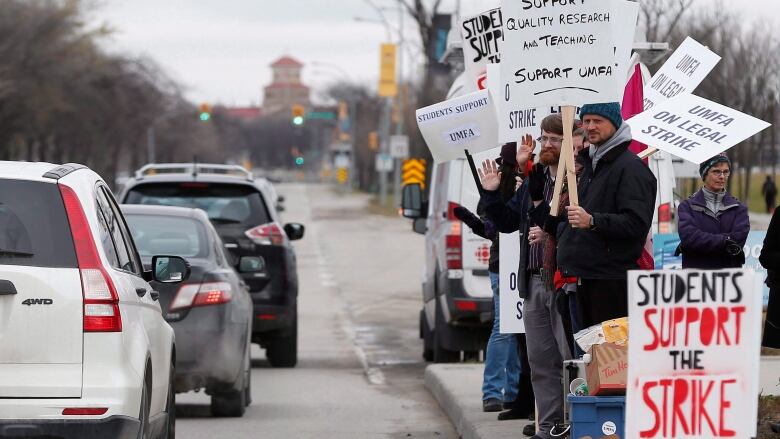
(483, 253)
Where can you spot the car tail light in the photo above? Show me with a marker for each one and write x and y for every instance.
(465, 305)
(84, 411)
(267, 234)
(664, 218)
(101, 301)
(203, 294)
(453, 240)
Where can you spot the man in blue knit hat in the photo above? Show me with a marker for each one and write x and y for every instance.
(603, 237)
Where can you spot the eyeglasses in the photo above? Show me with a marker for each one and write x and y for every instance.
(552, 140)
(719, 173)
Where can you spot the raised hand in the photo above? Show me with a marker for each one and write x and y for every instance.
(489, 175)
(527, 146)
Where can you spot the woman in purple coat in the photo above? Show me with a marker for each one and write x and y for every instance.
(713, 225)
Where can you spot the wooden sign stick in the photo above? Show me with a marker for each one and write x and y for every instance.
(567, 152)
(559, 176)
(647, 152)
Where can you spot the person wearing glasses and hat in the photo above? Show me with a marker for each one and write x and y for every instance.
(713, 225)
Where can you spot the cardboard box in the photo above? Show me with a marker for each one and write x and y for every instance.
(607, 372)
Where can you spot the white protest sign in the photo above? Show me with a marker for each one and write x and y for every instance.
(693, 128)
(681, 73)
(482, 35)
(693, 353)
(452, 126)
(510, 303)
(562, 52)
(628, 11)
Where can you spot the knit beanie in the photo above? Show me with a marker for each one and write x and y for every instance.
(508, 154)
(706, 165)
(609, 111)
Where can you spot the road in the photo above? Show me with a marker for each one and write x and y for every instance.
(360, 371)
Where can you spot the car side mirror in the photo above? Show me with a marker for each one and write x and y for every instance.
(412, 204)
(294, 231)
(419, 226)
(251, 264)
(170, 269)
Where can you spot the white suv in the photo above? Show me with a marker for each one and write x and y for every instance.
(84, 349)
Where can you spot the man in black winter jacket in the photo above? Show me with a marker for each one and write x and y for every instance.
(603, 237)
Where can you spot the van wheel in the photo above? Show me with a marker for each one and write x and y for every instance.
(230, 404)
(440, 353)
(144, 431)
(427, 336)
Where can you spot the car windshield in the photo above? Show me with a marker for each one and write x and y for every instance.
(224, 203)
(168, 235)
(34, 228)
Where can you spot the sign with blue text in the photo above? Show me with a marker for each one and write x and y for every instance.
(464, 123)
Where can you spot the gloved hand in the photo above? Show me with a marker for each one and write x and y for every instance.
(536, 183)
(732, 247)
(470, 220)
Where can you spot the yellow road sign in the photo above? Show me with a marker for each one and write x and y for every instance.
(413, 171)
(388, 87)
(341, 175)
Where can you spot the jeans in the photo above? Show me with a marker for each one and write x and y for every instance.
(502, 366)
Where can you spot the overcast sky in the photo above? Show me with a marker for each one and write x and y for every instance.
(220, 50)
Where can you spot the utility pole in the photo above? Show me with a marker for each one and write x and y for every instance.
(399, 126)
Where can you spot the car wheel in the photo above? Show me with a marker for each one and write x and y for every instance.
(440, 353)
(170, 406)
(248, 381)
(230, 404)
(143, 414)
(427, 336)
(283, 351)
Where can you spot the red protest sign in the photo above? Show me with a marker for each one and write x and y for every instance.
(693, 353)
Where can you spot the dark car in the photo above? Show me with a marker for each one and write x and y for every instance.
(211, 313)
(248, 223)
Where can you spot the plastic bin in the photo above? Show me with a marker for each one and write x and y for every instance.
(597, 416)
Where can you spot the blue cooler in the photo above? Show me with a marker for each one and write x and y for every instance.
(597, 416)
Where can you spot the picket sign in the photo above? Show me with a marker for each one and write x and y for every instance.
(694, 353)
(510, 303)
(465, 122)
(483, 35)
(685, 69)
(693, 128)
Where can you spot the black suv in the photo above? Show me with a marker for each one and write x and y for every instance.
(241, 210)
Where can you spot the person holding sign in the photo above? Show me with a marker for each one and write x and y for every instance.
(548, 344)
(503, 373)
(604, 236)
(713, 225)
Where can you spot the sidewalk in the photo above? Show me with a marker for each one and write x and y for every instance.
(457, 389)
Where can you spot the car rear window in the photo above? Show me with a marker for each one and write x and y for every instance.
(168, 235)
(34, 227)
(224, 203)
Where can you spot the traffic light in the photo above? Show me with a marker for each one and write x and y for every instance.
(373, 141)
(205, 112)
(298, 114)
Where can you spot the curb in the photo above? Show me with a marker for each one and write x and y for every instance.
(457, 388)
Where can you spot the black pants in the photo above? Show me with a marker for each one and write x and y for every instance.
(601, 299)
